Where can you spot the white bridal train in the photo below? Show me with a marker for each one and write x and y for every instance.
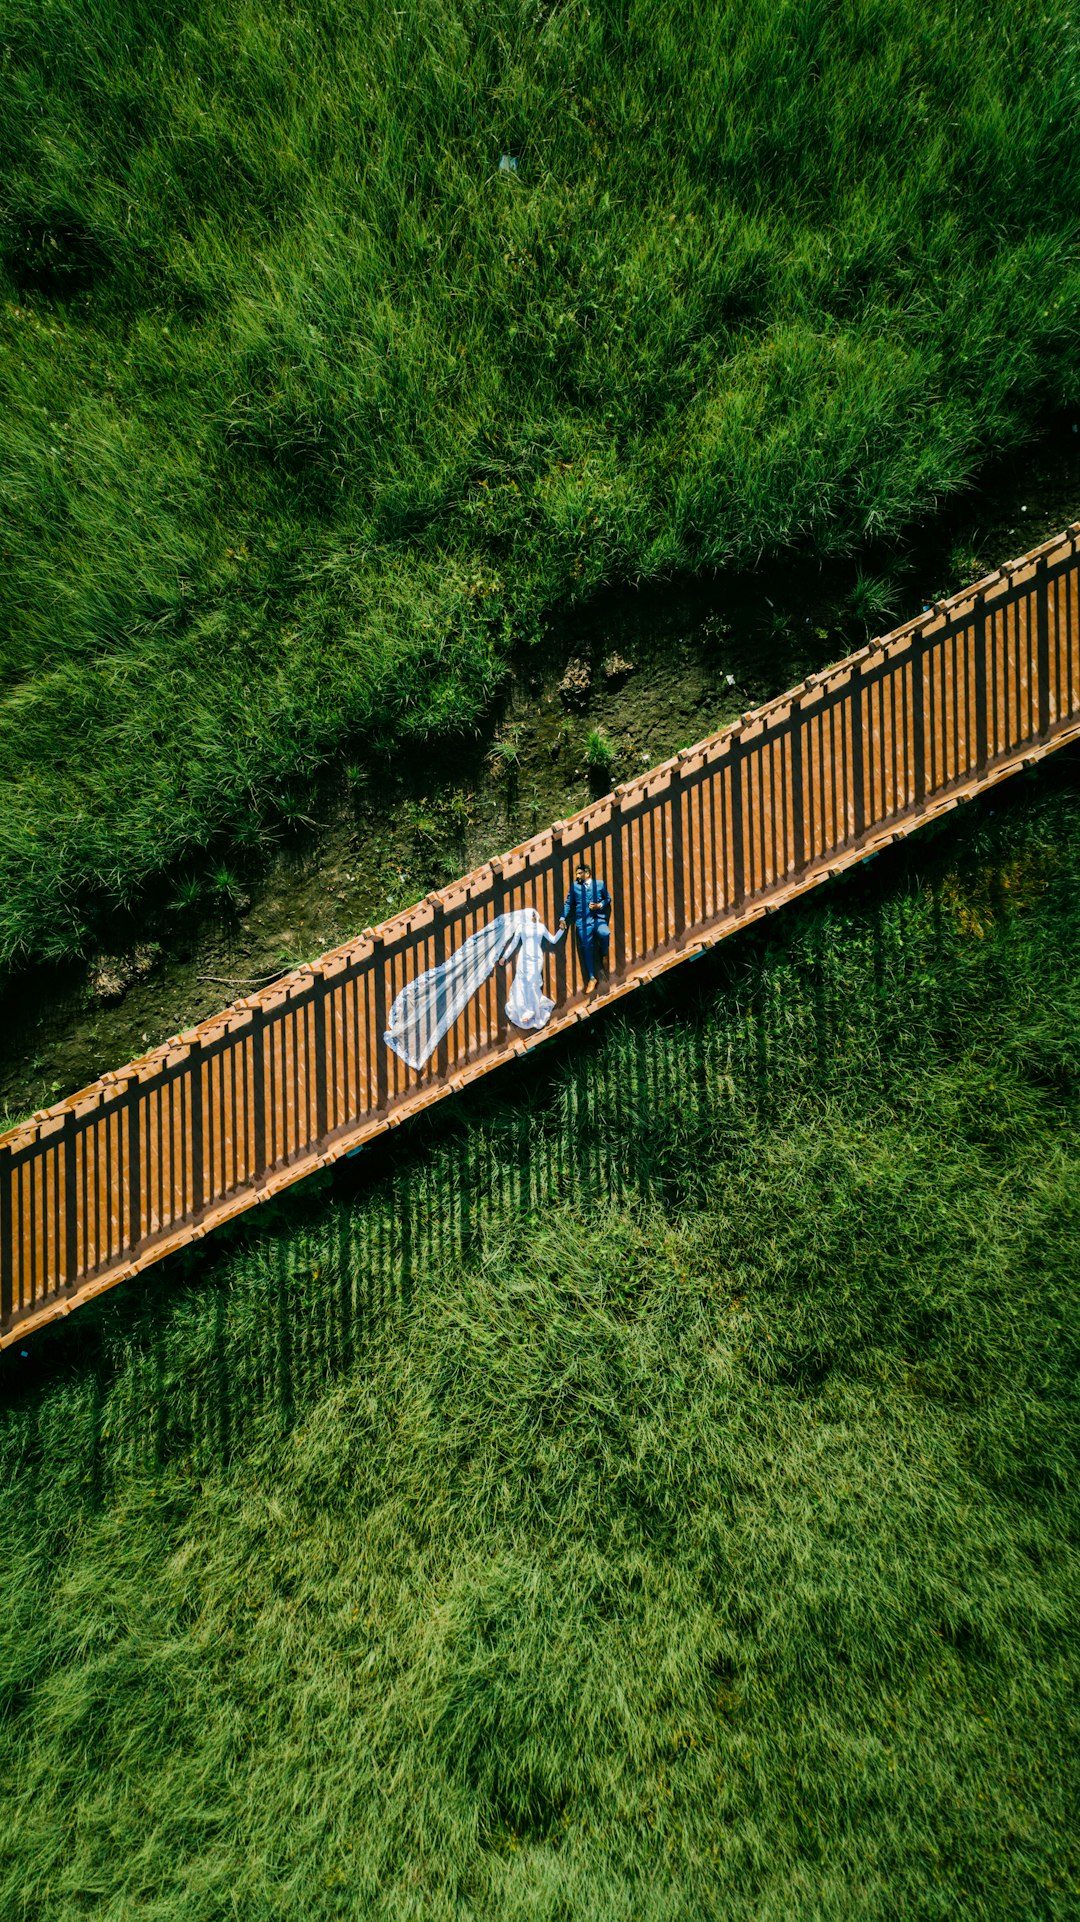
(428, 1007)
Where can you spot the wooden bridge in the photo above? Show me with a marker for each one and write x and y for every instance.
(155, 1154)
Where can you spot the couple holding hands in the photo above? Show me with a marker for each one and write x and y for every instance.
(428, 1006)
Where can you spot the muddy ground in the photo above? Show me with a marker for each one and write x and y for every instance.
(642, 673)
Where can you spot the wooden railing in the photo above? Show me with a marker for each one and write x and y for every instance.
(155, 1154)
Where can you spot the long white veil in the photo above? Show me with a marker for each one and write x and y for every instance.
(428, 1007)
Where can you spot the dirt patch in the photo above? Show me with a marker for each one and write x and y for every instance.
(111, 975)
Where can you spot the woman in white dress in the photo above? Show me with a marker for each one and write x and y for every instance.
(527, 1006)
(428, 1007)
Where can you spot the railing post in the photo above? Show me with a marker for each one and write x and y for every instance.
(1042, 630)
(438, 928)
(7, 1247)
(798, 827)
(856, 692)
(258, 1092)
(378, 981)
(918, 719)
(678, 851)
(738, 879)
(133, 1170)
(558, 865)
(981, 713)
(71, 1201)
(195, 1121)
(617, 945)
(498, 901)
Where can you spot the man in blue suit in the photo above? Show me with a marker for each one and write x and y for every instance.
(588, 906)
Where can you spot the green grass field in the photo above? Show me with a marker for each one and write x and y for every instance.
(649, 1492)
(308, 416)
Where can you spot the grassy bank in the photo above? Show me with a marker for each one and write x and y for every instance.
(651, 1493)
(307, 414)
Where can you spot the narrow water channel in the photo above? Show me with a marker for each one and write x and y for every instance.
(611, 690)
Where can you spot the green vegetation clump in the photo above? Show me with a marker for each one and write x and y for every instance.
(308, 413)
(601, 754)
(652, 1495)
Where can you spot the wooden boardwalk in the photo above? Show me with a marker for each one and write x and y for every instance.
(155, 1154)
